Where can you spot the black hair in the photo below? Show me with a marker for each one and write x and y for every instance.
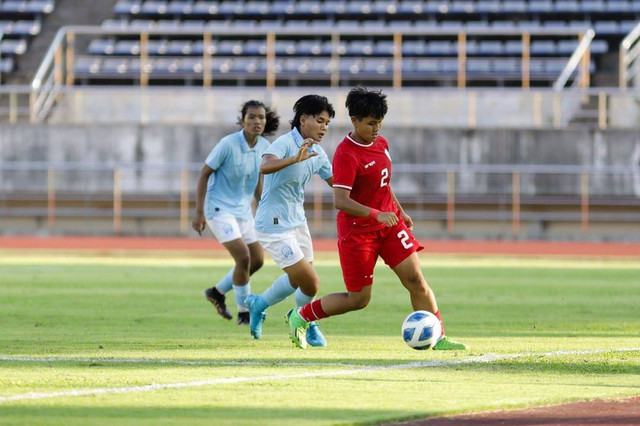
(310, 105)
(273, 119)
(362, 102)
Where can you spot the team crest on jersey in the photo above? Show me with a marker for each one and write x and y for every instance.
(386, 151)
(286, 251)
(227, 229)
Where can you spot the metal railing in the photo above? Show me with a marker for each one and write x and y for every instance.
(127, 195)
(629, 67)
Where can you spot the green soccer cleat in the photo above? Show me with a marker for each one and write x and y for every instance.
(297, 328)
(446, 344)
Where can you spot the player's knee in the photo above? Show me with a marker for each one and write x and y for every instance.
(358, 301)
(256, 264)
(243, 261)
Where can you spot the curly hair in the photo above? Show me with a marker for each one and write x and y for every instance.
(273, 119)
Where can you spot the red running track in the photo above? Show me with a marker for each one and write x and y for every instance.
(518, 248)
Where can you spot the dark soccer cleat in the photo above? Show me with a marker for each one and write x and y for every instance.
(244, 318)
(217, 300)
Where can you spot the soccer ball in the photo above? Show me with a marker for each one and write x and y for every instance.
(421, 330)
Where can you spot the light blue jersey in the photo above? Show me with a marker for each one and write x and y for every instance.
(281, 206)
(236, 171)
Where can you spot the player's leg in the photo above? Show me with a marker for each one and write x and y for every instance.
(293, 254)
(226, 229)
(399, 251)
(358, 257)
(240, 253)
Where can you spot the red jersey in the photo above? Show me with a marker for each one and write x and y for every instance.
(365, 170)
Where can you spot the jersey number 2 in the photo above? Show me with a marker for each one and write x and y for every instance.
(404, 239)
(385, 177)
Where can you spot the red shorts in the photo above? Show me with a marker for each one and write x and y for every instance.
(359, 251)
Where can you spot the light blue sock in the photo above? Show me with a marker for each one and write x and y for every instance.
(302, 299)
(277, 292)
(241, 292)
(225, 284)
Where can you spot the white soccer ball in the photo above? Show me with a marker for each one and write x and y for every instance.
(421, 330)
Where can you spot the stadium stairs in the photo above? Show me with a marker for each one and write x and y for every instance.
(66, 12)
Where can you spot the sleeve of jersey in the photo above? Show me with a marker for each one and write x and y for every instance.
(217, 156)
(326, 170)
(344, 171)
(277, 148)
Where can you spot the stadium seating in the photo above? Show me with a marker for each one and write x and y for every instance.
(362, 52)
(20, 20)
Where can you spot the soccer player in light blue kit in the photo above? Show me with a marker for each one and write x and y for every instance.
(228, 182)
(288, 165)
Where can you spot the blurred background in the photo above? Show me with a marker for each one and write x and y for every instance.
(508, 120)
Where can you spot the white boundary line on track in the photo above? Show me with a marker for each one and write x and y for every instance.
(209, 382)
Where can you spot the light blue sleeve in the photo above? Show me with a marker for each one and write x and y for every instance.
(218, 155)
(325, 171)
(278, 148)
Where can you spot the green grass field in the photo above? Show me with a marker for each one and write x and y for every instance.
(131, 340)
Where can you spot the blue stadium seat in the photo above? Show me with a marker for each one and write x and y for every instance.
(283, 7)
(205, 8)
(101, 47)
(567, 6)
(327, 47)
(84, 66)
(285, 47)
(448, 66)
(543, 47)
(6, 65)
(230, 47)
(592, 6)
(426, 66)
(115, 24)
(127, 7)
(488, 7)
(442, 48)
(606, 27)
(309, 47)
(403, 25)
(360, 48)
(12, 47)
(307, 7)
(384, 7)
(358, 7)
(256, 8)
(414, 48)
(614, 6)
(540, 6)
(334, 7)
(127, 48)
(513, 47)
(476, 25)
(371, 26)
(490, 48)
(380, 67)
(514, 6)
(503, 25)
(179, 47)
(384, 48)
(635, 6)
(180, 8)
(155, 8)
(255, 47)
(410, 7)
(478, 66)
(507, 67)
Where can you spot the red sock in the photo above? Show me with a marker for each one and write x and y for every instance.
(312, 311)
(437, 314)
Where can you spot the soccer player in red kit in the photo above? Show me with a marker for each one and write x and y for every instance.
(370, 222)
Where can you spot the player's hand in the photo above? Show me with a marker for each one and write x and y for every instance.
(407, 220)
(303, 152)
(198, 223)
(388, 218)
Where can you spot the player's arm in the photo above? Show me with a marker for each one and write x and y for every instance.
(199, 221)
(407, 219)
(271, 163)
(257, 194)
(329, 181)
(342, 201)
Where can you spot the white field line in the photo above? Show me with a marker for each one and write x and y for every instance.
(489, 358)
